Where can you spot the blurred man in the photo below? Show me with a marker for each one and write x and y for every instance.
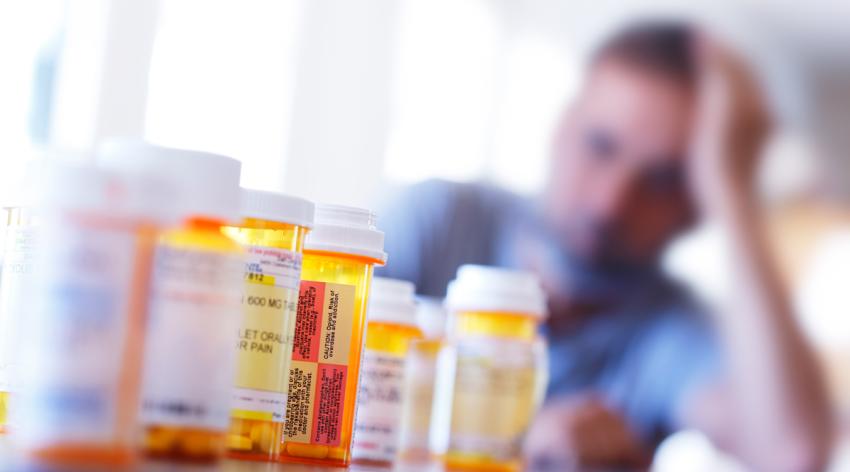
(666, 129)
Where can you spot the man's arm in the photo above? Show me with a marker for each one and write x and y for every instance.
(771, 410)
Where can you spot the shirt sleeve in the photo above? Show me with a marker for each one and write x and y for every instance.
(674, 359)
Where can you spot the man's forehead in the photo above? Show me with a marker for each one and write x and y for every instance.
(642, 108)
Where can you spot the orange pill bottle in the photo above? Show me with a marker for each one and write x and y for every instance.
(339, 256)
(272, 232)
(194, 306)
(492, 379)
(391, 329)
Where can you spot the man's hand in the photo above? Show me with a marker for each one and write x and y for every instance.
(732, 127)
(579, 432)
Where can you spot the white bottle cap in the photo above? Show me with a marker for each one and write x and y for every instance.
(80, 187)
(391, 301)
(490, 289)
(277, 207)
(346, 230)
(207, 184)
(431, 317)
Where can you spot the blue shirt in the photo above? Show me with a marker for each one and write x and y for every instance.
(642, 355)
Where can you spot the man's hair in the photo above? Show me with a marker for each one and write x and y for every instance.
(663, 47)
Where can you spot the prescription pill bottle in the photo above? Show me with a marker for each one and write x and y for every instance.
(390, 329)
(18, 253)
(195, 303)
(415, 443)
(272, 233)
(82, 338)
(339, 255)
(497, 372)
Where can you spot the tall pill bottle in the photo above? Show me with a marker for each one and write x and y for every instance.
(415, 442)
(18, 254)
(498, 370)
(272, 233)
(391, 328)
(82, 339)
(195, 303)
(339, 256)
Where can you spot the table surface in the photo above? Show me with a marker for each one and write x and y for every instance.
(841, 462)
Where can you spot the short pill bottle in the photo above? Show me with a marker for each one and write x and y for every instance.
(272, 233)
(415, 441)
(497, 372)
(391, 328)
(339, 256)
(195, 302)
(82, 339)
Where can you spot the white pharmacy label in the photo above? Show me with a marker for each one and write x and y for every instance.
(17, 269)
(379, 407)
(194, 312)
(75, 335)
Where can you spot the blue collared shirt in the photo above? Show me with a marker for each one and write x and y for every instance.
(643, 355)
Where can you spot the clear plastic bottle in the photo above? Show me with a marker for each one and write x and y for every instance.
(195, 303)
(390, 330)
(272, 232)
(81, 352)
(339, 256)
(18, 253)
(493, 382)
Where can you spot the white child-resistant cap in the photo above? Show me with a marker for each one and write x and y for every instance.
(346, 230)
(431, 317)
(392, 301)
(278, 207)
(488, 289)
(206, 184)
(85, 187)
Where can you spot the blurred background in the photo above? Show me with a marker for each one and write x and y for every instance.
(337, 101)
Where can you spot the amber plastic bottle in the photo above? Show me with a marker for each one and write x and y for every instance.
(496, 377)
(390, 330)
(272, 232)
(194, 303)
(339, 256)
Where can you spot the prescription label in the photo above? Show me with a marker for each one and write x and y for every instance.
(189, 361)
(264, 342)
(379, 406)
(17, 267)
(319, 371)
(497, 387)
(74, 337)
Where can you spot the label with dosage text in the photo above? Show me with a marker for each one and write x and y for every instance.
(319, 370)
(264, 345)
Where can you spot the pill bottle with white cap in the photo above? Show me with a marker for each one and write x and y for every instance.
(392, 326)
(339, 256)
(414, 442)
(498, 370)
(195, 302)
(272, 231)
(80, 357)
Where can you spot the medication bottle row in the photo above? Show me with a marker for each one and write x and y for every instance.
(152, 302)
(147, 303)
